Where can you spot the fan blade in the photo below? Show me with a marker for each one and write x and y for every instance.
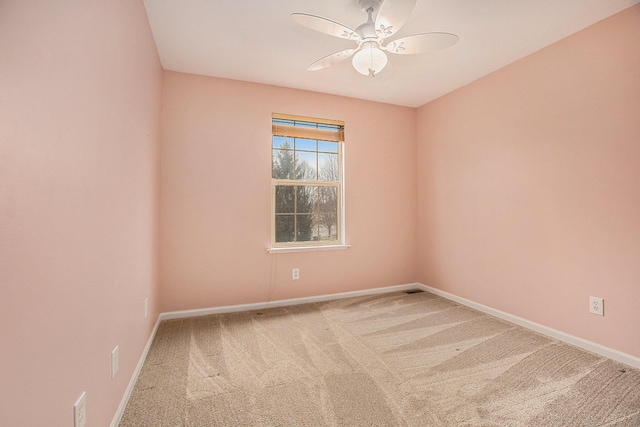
(392, 16)
(325, 25)
(421, 43)
(329, 60)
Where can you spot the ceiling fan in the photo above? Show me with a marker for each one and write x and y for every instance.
(369, 56)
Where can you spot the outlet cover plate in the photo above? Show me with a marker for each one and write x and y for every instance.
(596, 306)
(295, 274)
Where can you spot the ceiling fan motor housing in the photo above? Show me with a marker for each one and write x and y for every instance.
(367, 31)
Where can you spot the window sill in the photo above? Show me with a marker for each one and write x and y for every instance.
(307, 248)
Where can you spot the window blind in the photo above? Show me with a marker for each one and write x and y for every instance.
(307, 127)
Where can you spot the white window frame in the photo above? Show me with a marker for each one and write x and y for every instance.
(339, 242)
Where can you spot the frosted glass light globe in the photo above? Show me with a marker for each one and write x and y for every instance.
(370, 60)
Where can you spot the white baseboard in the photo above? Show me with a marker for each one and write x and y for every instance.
(132, 382)
(545, 330)
(550, 332)
(282, 303)
(233, 309)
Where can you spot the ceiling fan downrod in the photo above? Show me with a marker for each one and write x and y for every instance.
(367, 30)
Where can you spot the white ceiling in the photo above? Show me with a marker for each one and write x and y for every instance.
(257, 41)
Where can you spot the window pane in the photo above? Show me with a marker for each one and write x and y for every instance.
(328, 227)
(328, 200)
(285, 199)
(328, 147)
(282, 165)
(283, 142)
(285, 228)
(328, 167)
(304, 228)
(307, 197)
(306, 211)
(306, 165)
(305, 144)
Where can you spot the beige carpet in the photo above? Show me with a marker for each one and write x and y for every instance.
(388, 360)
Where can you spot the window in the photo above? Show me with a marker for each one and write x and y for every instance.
(306, 184)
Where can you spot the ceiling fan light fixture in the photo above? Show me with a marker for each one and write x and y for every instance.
(370, 60)
(372, 36)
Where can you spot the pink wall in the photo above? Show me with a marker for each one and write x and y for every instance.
(80, 85)
(525, 195)
(215, 195)
(529, 186)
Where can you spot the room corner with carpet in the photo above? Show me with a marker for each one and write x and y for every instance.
(407, 358)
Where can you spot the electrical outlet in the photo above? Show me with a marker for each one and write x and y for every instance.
(596, 306)
(295, 274)
(80, 412)
(146, 307)
(114, 362)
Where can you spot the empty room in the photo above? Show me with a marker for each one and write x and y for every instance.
(340, 213)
